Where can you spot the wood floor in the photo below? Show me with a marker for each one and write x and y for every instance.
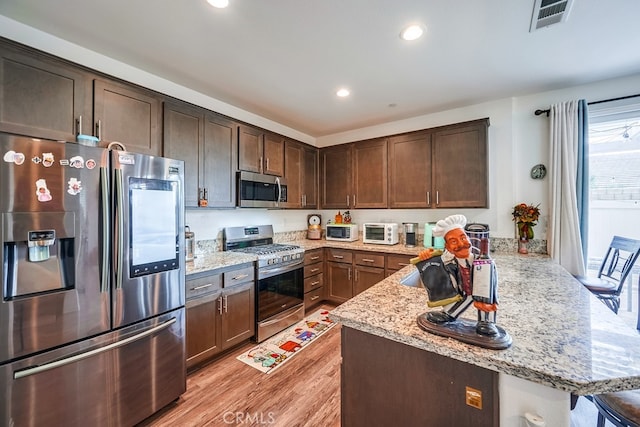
(303, 392)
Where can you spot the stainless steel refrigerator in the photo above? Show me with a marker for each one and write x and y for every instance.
(92, 295)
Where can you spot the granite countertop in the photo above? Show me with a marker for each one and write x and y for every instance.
(216, 260)
(563, 337)
(357, 246)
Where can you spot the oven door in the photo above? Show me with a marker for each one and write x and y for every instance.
(374, 233)
(279, 289)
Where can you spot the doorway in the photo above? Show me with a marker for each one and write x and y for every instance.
(614, 187)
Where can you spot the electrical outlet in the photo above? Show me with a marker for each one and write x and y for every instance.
(473, 397)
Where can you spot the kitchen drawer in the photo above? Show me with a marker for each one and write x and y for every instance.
(397, 262)
(313, 297)
(241, 275)
(310, 270)
(313, 282)
(339, 255)
(312, 256)
(203, 285)
(369, 259)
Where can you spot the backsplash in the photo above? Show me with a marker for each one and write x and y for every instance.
(498, 244)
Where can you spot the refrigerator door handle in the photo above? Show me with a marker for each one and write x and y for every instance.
(119, 225)
(78, 357)
(104, 188)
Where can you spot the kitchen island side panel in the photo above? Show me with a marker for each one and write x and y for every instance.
(389, 383)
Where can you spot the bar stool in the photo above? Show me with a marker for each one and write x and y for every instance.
(621, 408)
(615, 268)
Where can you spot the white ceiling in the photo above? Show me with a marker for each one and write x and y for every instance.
(284, 59)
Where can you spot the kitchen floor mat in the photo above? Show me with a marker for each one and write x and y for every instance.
(274, 352)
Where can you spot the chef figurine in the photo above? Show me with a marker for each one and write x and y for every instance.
(448, 277)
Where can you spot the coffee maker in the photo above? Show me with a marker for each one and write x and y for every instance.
(410, 234)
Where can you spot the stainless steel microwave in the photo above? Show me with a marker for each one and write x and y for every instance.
(260, 191)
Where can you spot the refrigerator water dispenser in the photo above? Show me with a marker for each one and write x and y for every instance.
(37, 259)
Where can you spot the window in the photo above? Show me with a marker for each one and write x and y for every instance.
(614, 179)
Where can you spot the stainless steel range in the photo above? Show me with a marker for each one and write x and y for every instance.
(280, 287)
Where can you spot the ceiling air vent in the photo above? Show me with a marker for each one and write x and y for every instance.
(548, 12)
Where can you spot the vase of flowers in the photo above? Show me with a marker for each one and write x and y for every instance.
(526, 217)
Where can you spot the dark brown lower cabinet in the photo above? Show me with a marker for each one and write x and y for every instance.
(386, 383)
(221, 318)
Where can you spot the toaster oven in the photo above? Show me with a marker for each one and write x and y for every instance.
(381, 233)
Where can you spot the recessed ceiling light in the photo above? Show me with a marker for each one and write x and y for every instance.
(220, 4)
(412, 32)
(343, 92)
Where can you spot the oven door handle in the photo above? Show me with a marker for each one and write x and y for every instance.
(268, 272)
(282, 315)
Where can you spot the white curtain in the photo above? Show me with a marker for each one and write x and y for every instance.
(564, 241)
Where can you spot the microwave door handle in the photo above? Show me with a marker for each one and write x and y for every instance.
(119, 225)
(279, 191)
(104, 189)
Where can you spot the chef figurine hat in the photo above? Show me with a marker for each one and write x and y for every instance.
(449, 223)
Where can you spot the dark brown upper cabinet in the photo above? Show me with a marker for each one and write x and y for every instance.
(460, 166)
(354, 175)
(410, 170)
(369, 174)
(310, 178)
(206, 142)
(129, 115)
(260, 151)
(301, 174)
(41, 96)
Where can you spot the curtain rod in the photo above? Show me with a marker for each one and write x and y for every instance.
(547, 111)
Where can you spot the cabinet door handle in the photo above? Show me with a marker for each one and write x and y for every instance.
(403, 264)
(354, 200)
(315, 297)
(349, 274)
(313, 258)
(304, 200)
(226, 307)
(239, 277)
(98, 130)
(208, 285)
(260, 165)
(367, 260)
(356, 275)
(79, 126)
(348, 200)
(338, 256)
(437, 198)
(428, 197)
(315, 283)
(314, 270)
(220, 305)
(267, 164)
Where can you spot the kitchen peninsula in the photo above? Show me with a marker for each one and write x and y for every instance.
(565, 342)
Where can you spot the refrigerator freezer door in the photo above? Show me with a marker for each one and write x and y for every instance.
(116, 379)
(50, 225)
(149, 260)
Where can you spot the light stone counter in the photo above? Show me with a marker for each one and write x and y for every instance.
(216, 260)
(563, 337)
(357, 246)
